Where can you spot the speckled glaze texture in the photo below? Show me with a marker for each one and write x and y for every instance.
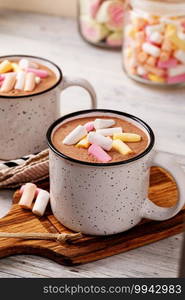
(98, 200)
(23, 124)
(104, 199)
(24, 120)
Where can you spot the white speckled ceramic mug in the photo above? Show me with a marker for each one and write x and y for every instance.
(24, 119)
(103, 199)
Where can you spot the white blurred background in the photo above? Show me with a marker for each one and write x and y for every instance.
(55, 7)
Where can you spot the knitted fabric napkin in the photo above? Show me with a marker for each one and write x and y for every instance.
(31, 168)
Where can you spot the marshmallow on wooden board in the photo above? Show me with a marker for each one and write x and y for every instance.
(41, 203)
(100, 140)
(75, 135)
(103, 123)
(180, 55)
(121, 147)
(178, 70)
(151, 49)
(25, 63)
(8, 82)
(97, 152)
(5, 66)
(29, 82)
(109, 131)
(28, 195)
(127, 137)
(23, 187)
(20, 80)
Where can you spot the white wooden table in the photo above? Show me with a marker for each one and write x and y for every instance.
(56, 38)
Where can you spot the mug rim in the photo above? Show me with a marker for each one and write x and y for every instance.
(39, 93)
(78, 113)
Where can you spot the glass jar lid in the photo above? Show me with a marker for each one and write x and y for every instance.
(160, 7)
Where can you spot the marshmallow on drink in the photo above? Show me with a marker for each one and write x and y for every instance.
(97, 152)
(127, 137)
(25, 63)
(41, 203)
(20, 80)
(100, 140)
(75, 135)
(89, 126)
(109, 131)
(84, 143)
(103, 123)
(5, 66)
(121, 147)
(39, 73)
(29, 82)
(8, 82)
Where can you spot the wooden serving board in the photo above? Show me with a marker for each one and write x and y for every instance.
(162, 191)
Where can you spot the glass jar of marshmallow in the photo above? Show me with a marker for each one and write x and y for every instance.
(101, 22)
(154, 41)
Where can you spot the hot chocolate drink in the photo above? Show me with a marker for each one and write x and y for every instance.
(100, 139)
(24, 77)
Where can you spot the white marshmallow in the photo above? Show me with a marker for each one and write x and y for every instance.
(103, 14)
(37, 80)
(156, 37)
(100, 140)
(25, 63)
(181, 35)
(20, 80)
(141, 71)
(151, 49)
(179, 70)
(103, 123)
(154, 28)
(8, 82)
(109, 131)
(180, 55)
(75, 135)
(29, 82)
(41, 203)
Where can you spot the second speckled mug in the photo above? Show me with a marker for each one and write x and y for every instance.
(24, 119)
(103, 199)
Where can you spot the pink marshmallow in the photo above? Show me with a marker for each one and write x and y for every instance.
(22, 190)
(145, 76)
(176, 79)
(2, 77)
(89, 126)
(39, 73)
(171, 63)
(99, 153)
(94, 8)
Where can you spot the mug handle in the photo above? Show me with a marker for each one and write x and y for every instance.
(151, 210)
(68, 81)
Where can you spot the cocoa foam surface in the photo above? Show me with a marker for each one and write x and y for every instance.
(45, 83)
(82, 154)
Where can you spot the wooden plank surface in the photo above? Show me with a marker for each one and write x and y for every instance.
(57, 39)
(90, 248)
